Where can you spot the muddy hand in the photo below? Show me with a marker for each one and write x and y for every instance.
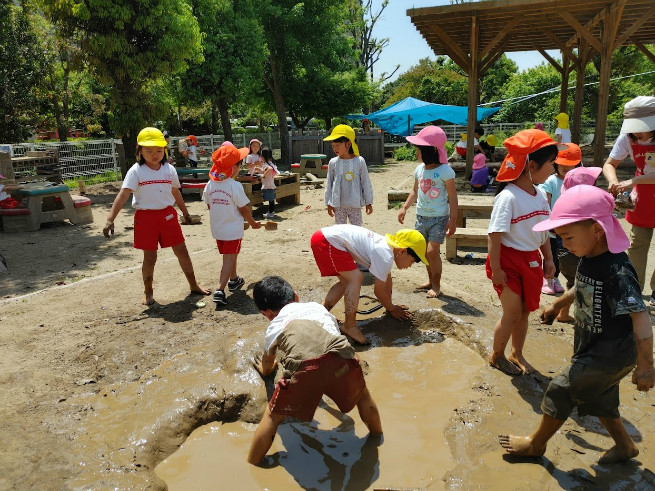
(109, 228)
(644, 378)
(399, 312)
(547, 316)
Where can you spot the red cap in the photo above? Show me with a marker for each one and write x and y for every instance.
(193, 139)
(224, 159)
(569, 157)
(519, 147)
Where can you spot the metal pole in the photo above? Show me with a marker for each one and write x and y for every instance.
(113, 157)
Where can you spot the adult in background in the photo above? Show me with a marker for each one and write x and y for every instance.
(637, 140)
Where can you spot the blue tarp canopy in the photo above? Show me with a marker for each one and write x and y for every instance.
(400, 118)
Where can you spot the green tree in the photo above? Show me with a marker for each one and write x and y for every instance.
(129, 45)
(22, 69)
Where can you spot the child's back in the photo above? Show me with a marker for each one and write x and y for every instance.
(224, 199)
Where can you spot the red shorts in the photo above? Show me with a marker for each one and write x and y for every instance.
(330, 260)
(461, 151)
(229, 246)
(340, 379)
(157, 227)
(524, 274)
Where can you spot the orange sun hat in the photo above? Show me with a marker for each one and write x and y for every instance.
(519, 147)
(569, 157)
(224, 158)
(194, 140)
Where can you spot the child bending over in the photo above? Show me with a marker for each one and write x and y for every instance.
(612, 326)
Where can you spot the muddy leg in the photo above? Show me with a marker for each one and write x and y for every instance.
(368, 411)
(535, 444)
(264, 436)
(433, 254)
(512, 314)
(624, 448)
(184, 259)
(519, 334)
(148, 271)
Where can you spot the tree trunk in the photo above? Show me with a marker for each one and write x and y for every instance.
(225, 118)
(129, 147)
(214, 120)
(328, 123)
(280, 109)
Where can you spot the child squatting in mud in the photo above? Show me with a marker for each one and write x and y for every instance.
(612, 326)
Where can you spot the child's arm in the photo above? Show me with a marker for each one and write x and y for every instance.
(265, 364)
(549, 265)
(498, 276)
(550, 312)
(247, 216)
(119, 202)
(382, 291)
(328, 188)
(451, 190)
(609, 171)
(411, 199)
(367, 186)
(644, 374)
(179, 201)
(643, 179)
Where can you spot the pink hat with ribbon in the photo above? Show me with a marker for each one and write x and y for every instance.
(431, 136)
(586, 202)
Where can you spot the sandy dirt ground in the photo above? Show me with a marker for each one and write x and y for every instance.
(97, 389)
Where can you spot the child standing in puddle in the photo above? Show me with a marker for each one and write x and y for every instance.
(612, 327)
(348, 186)
(155, 188)
(514, 263)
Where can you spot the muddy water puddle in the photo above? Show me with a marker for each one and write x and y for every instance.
(417, 386)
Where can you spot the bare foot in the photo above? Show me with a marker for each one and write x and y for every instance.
(200, 290)
(425, 286)
(354, 333)
(148, 299)
(503, 364)
(567, 319)
(520, 362)
(520, 445)
(432, 293)
(615, 454)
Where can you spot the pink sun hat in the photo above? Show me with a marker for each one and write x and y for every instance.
(479, 161)
(585, 202)
(581, 175)
(431, 136)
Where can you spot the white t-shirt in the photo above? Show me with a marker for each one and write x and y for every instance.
(252, 159)
(151, 188)
(514, 214)
(306, 311)
(623, 147)
(268, 181)
(367, 248)
(3, 195)
(224, 199)
(566, 135)
(192, 153)
(463, 144)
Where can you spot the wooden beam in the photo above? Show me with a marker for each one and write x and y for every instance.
(564, 86)
(499, 37)
(580, 75)
(581, 30)
(492, 58)
(557, 66)
(634, 27)
(589, 26)
(608, 29)
(454, 51)
(649, 54)
(474, 93)
(562, 46)
(616, 12)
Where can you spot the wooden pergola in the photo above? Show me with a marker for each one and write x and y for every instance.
(475, 35)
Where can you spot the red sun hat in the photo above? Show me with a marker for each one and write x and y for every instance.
(569, 157)
(224, 158)
(194, 140)
(519, 147)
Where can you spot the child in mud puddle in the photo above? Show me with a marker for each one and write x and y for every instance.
(228, 208)
(514, 263)
(436, 200)
(568, 262)
(566, 160)
(347, 186)
(336, 249)
(317, 361)
(155, 188)
(612, 326)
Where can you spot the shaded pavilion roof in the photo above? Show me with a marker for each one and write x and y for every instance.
(525, 25)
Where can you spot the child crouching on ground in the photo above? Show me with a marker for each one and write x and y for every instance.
(228, 208)
(612, 326)
(318, 360)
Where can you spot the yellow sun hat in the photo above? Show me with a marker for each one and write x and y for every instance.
(562, 120)
(492, 140)
(409, 239)
(343, 130)
(151, 137)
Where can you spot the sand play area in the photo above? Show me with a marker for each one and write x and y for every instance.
(100, 392)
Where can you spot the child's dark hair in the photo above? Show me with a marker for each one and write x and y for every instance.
(267, 153)
(557, 166)
(633, 138)
(541, 156)
(142, 161)
(272, 293)
(343, 139)
(479, 130)
(414, 255)
(429, 155)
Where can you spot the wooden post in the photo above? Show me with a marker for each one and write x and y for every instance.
(607, 45)
(580, 75)
(564, 87)
(473, 93)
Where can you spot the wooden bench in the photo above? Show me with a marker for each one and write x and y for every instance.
(287, 190)
(465, 237)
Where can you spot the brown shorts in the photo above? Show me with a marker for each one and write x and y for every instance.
(340, 379)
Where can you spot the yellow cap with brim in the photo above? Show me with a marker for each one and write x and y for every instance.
(343, 130)
(409, 239)
(562, 120)
(151, 137)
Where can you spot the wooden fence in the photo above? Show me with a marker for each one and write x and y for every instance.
(371, 146)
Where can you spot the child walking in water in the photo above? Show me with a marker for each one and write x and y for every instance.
(254, 158)
(348, 186)
(566, 160)
(514, 262)
(155, 187)
(228, 208)
(436, 200)
(269, 171)
(612, 327)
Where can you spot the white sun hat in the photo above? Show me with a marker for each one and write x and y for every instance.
(639, 115)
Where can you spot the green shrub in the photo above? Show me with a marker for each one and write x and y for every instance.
(406, 152)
